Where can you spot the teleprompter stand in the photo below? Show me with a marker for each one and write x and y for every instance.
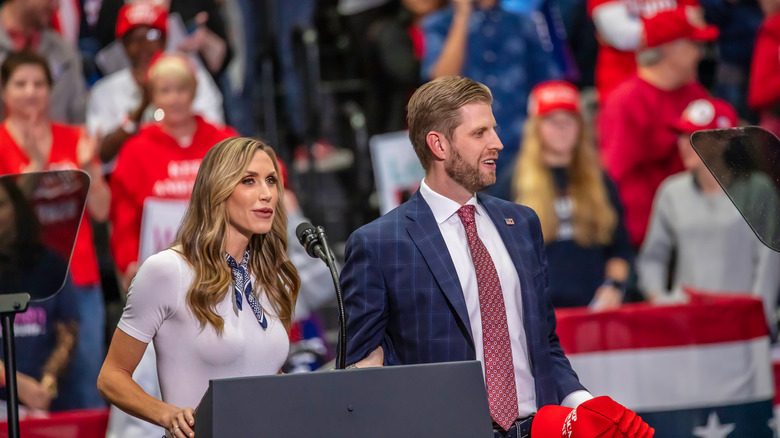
(445, 399)
(10, 305)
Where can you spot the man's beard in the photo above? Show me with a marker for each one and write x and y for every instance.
(467, 175)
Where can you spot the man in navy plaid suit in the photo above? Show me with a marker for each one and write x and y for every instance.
(414, 294)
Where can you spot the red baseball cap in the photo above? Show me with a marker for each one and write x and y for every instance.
(553, 95)
(600, 417)
(707, 113)
(669, 26)
(141, 13)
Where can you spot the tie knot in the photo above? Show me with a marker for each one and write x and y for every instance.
(466, 214)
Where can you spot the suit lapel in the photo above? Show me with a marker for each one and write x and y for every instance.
(424, 231)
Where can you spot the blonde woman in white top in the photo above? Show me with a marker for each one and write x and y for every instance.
(220, 301)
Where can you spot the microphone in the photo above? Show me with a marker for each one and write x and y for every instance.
(310, 239)
(316, 244)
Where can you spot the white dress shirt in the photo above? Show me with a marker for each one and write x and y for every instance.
(454, 234)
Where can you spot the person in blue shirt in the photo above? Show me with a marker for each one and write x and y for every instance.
(482, 41)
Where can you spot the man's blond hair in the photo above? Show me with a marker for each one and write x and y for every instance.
(435, 106)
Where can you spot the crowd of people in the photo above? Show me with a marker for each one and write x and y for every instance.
(136, 93)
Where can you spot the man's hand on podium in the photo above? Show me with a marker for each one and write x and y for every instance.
(374, 359)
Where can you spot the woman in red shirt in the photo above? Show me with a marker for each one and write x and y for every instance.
(161, 160)
(31, 142)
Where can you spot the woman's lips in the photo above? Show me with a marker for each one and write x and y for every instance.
(264, 213)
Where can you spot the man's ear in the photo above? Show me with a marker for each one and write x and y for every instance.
(438, 144)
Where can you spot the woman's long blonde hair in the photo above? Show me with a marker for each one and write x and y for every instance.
(593, 216)
(201, 237)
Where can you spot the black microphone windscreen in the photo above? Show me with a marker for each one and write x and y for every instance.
(301, 229)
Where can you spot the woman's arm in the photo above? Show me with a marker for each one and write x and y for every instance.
(67, 332)
(610, 294)
(116, 385)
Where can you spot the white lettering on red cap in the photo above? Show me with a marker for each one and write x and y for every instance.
(142, 13)
(557, 94)
(568, 424)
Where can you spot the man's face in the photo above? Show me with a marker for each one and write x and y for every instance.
(689, 157)
(37, 13)
(141, 44)
(685, 55)
(474, 148)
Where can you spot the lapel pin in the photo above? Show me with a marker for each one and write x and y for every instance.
(509, 221)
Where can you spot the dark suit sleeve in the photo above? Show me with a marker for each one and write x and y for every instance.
(365, 297)
(565, 378)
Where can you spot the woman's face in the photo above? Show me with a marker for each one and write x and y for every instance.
(7, 218)
(27, 92)
(559, 131)
(174, 97)
(251, 207)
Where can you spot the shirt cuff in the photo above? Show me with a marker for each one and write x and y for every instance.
(575, 398)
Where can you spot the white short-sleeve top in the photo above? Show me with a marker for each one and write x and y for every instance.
(188, 356)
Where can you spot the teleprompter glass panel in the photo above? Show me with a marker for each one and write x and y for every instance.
(746, 163)
(40, 217)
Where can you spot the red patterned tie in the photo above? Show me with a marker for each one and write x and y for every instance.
(499, 370)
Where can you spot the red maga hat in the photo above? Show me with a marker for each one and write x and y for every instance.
(600, 417)
(141, 13)
(707, 113)
(553, 95)
(669, 26)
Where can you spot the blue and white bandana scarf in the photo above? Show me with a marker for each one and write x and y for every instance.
(243, 282)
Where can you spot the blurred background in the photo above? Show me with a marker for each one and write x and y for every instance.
(655, 275)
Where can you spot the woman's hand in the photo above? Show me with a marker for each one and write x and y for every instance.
(34, 148)
(607, 298)
(179, 422)
(86, 149)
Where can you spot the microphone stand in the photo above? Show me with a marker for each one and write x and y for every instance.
(10, 305)
(326, 255)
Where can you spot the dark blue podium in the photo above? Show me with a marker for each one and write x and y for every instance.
(432, 400)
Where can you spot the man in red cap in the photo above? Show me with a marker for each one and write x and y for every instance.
(638, 142)
(25, 24)
(716, 251)
(119, 102)
(620, 26)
